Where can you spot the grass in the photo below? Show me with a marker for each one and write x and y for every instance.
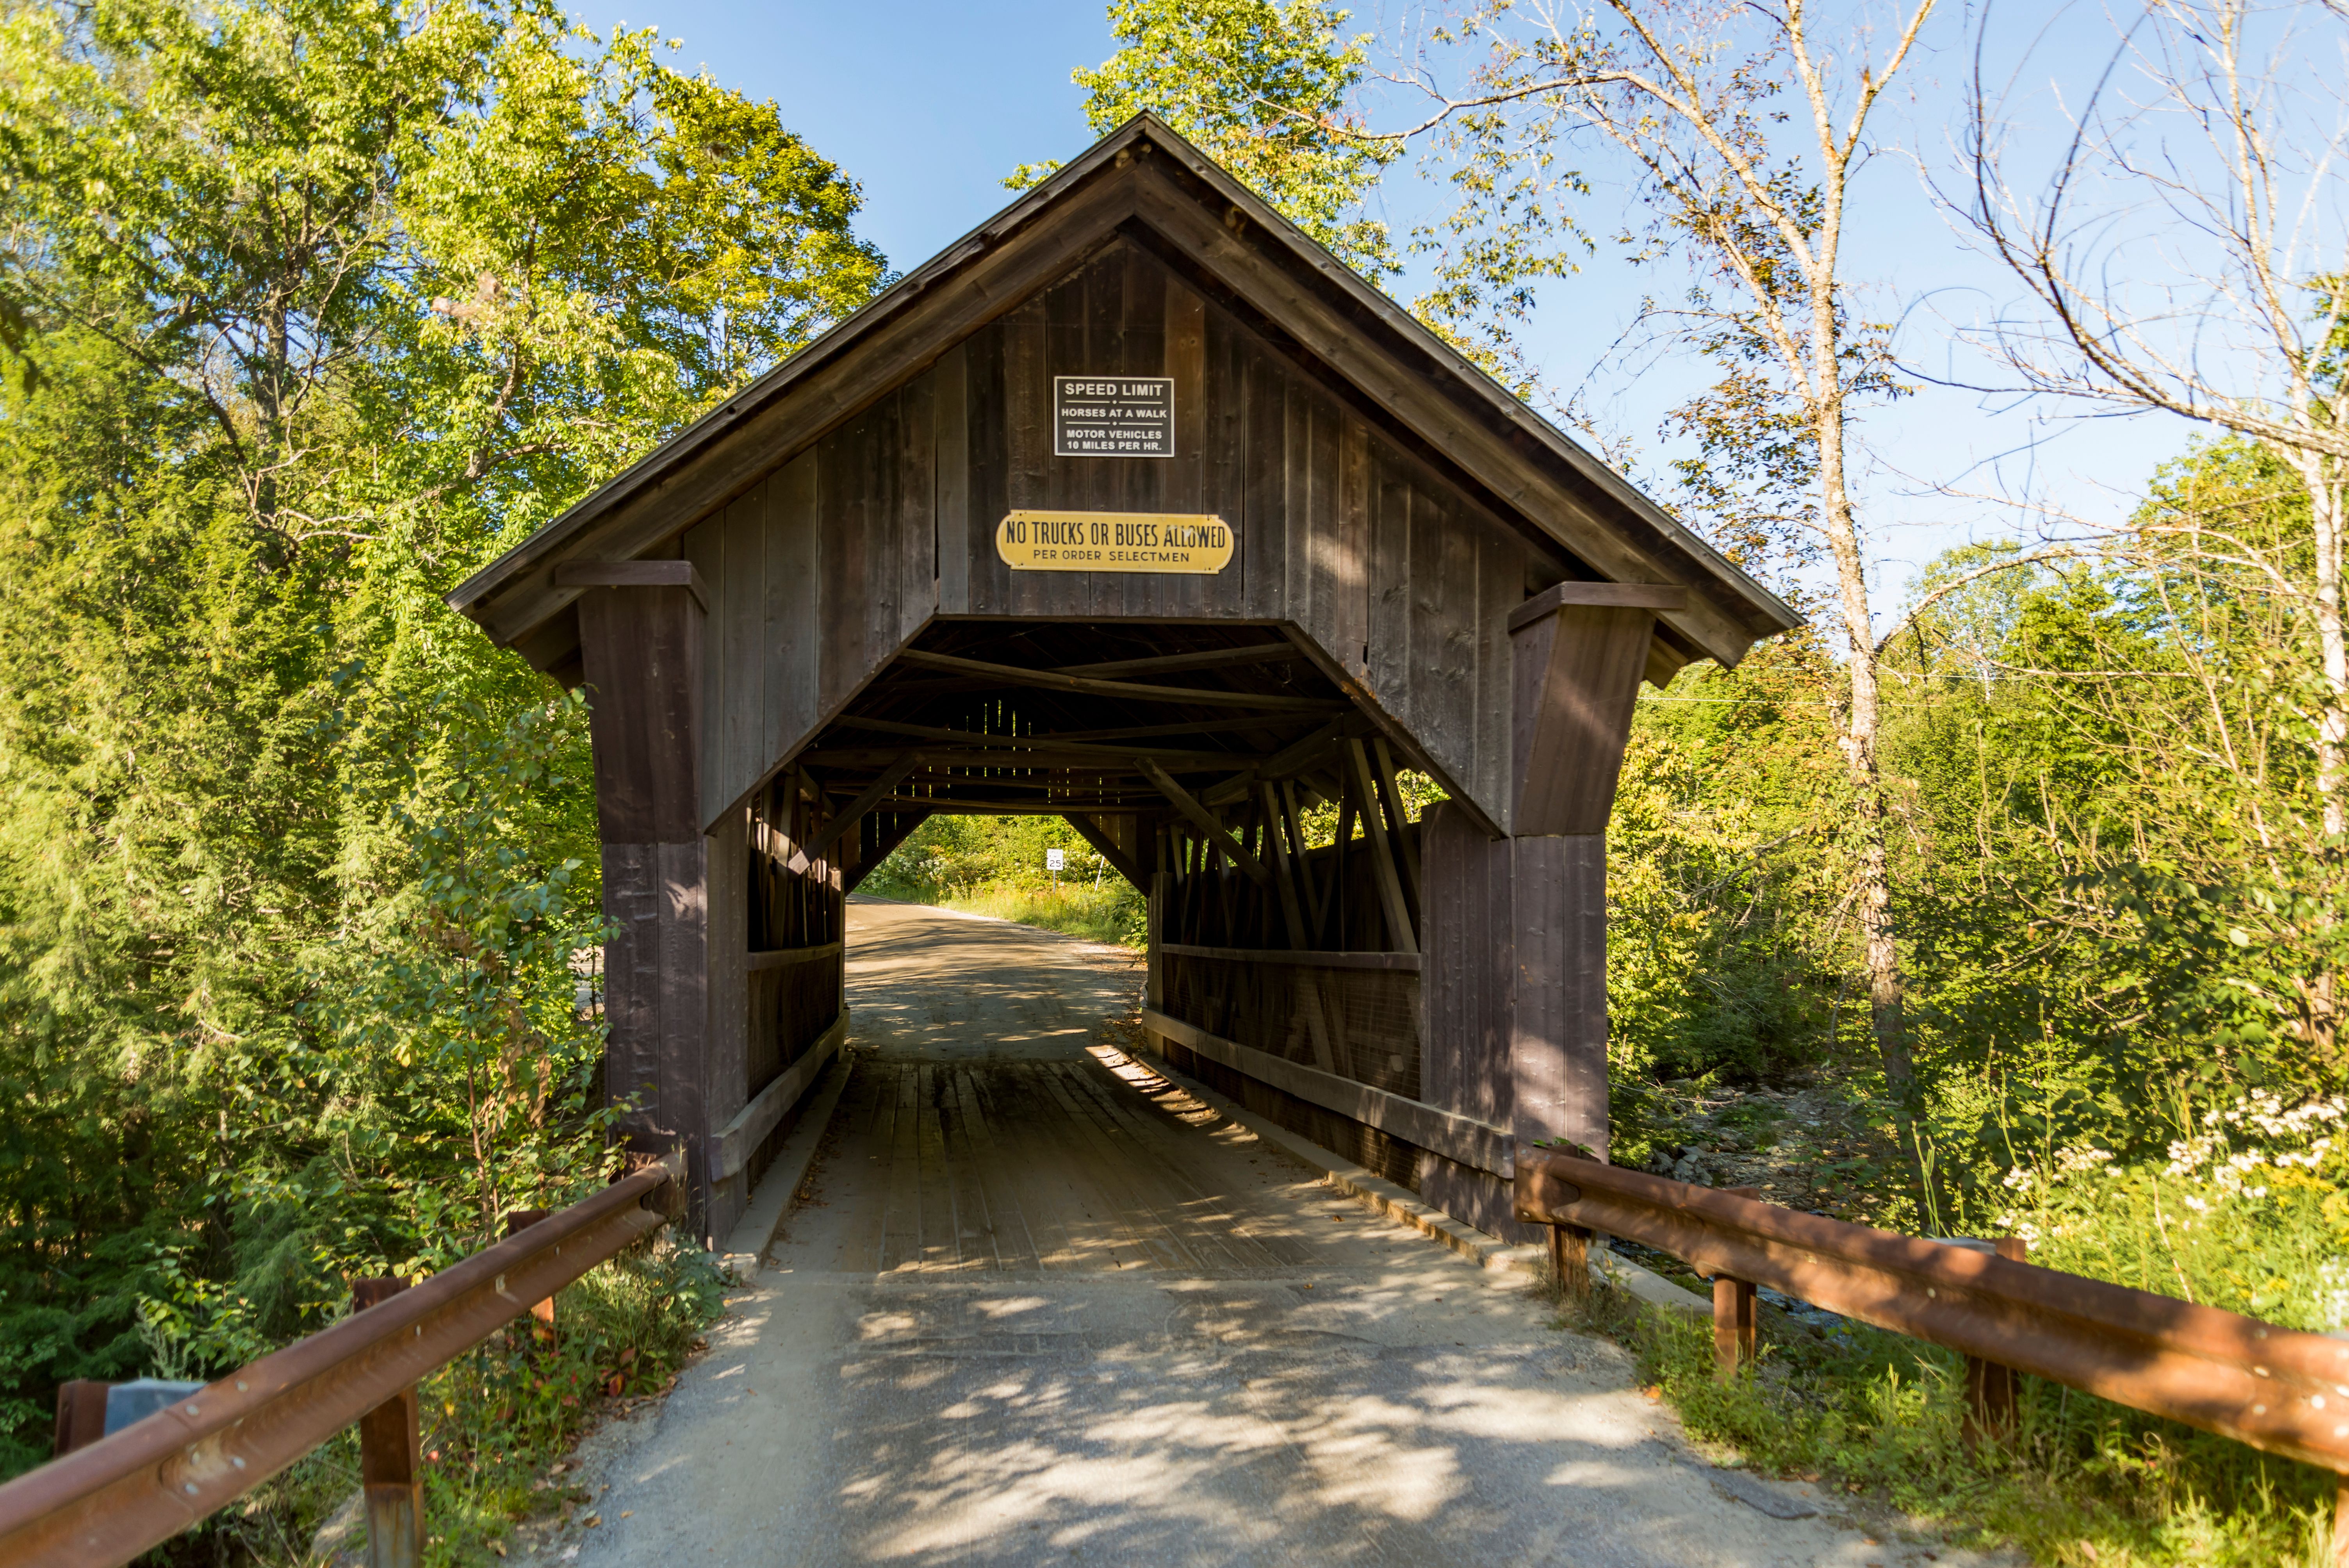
(1878, 1416)
(1111, 913)
(495, 1420)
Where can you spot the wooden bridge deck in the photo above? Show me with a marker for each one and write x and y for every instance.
(1039, 1304)
(1039, 1165)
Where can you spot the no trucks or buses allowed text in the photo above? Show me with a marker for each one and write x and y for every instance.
(1113, 542)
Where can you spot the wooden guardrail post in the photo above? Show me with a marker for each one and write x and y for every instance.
(1991, 1390)
(1733, 1325)
(542, 1313)
(391, 1459)
(1569, 1260)
(81, 1414)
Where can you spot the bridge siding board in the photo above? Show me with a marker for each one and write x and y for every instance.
(1397, 575)
(950, 473)
(727, 1008)
(1260, 557)
(793, 559)
(1465, 990)
(914, 522)
(1102, 339)
(739, 585)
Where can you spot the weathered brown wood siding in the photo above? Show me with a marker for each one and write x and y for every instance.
(1465, 985)
(1399, 577)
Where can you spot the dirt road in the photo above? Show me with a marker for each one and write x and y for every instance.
(1046, 1307)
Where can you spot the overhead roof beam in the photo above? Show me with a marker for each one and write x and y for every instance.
(1089, 760)
(1130, 691)
(1220, 722)
(1207, 659)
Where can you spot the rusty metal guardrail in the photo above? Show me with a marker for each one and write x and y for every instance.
(2277, 1389)
(106, 1504)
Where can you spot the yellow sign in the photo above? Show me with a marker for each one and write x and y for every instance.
(1113, 542)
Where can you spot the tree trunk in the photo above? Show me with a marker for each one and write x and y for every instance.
(1881, 955)
(2319, 476)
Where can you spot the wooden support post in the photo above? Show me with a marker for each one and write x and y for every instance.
(541, 1312)
(1292, 916)
(1558, 992)
(1578, 652)
(1333, 902)
(641, 649)
(1296, 823)
(1398, 822)
(1204, 820)
(1569, 1261)
(1993, 1390)
(1401, 930)
(392, 1460)
(1732, 1327)
(81, 1415)
(1153, 980)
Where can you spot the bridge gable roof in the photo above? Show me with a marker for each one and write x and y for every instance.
(1143, 183)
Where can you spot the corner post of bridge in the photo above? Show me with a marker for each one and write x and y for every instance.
(672, 893)
(391, 1459)
(1578, 652)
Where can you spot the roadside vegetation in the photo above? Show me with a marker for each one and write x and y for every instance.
(998, 866)
(2019, 911)
(497, 1424)
(1875, 1420)
(307, 312)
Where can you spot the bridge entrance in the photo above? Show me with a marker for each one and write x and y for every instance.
(1132, 507)
(1040, 1304)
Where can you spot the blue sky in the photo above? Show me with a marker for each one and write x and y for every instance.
(929, 105)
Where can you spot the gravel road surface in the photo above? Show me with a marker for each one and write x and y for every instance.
(1040, 1305)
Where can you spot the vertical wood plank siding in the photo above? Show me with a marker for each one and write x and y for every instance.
(1400, 578)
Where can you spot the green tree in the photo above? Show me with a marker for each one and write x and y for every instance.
(311, 309)
(1265, 88)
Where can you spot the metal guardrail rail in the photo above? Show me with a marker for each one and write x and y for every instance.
(106, 1504)
(2278, 1389)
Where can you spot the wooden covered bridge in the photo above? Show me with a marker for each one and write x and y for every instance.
(1132, 507)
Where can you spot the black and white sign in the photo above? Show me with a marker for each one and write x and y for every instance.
(1113, 415)
(1056, 860)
